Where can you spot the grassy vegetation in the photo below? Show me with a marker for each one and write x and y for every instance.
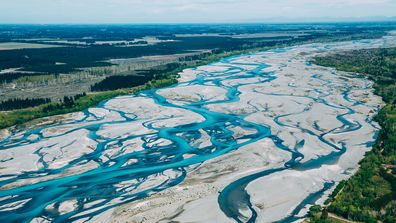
(370, 195)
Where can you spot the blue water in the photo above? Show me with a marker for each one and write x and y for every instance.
(99, 187)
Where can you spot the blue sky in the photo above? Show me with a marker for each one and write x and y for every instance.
(189, 11)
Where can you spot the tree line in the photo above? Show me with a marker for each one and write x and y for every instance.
(142, 77)
(67, 102)
(17, 103)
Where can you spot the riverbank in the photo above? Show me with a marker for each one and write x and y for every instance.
(369, 195)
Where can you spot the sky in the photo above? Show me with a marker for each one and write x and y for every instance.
(191, 11)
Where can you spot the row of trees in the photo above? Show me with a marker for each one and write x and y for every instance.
(10, 77)
(17, 103)
(142, 77)
(67, 102)
(70, 100)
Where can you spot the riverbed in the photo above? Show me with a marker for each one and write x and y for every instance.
(257, 137)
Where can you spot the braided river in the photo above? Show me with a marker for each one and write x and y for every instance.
(257, 137)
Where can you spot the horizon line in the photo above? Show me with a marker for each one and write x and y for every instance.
(393, 20)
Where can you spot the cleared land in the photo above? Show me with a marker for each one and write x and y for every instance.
(18, 45)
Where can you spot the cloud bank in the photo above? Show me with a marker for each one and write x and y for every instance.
(187, 11)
